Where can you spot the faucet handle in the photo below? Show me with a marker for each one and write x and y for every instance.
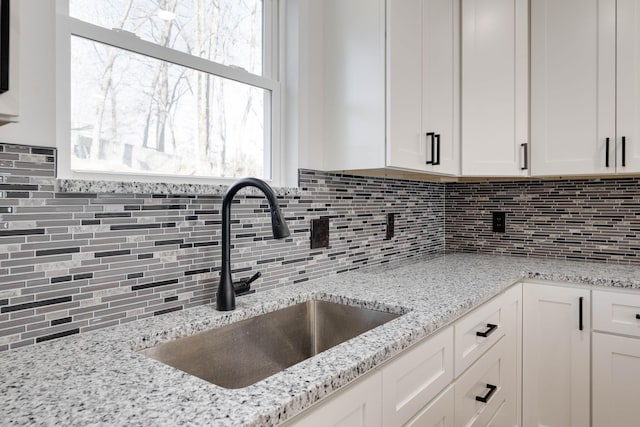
(253, 278)
(243, 287)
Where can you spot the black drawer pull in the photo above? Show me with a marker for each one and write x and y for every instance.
(491, 328)
(525, 154)
(486, 397)
(430, 138)
(606, 154)
(624, 151)
(580, 325)
(638, 316)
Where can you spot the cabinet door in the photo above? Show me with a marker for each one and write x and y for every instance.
(572, 86)
(628, 86)
(441, 84)
(349, 73)
(494, 87)
(555, 356)
(438, 413)
(357, 406)
(406, 144)
(616, 378)
(416, 377)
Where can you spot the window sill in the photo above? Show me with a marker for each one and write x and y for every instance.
(117, 187)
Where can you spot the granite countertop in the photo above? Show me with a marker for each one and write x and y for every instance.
(99, 378)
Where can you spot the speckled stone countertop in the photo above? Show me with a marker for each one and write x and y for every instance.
(99, 378)
(118, 187)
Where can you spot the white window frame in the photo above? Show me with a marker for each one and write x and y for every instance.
(66, 27)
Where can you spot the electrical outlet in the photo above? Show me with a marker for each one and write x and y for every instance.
(499, 222)
(391, 221)
(319, 233)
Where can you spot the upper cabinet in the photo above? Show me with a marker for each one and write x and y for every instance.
(628, 86)
(391, 85)
(585, 90)
(495, 101)
(482, 87)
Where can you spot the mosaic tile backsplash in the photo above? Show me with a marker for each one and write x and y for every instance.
(594, 220)
(71, 262)
(75, 262)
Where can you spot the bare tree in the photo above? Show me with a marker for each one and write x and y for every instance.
(106, 86)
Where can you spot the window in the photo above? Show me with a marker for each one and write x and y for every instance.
(178, 88)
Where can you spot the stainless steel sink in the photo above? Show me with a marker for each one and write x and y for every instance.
(242, 353)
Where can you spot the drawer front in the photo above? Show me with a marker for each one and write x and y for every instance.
(438, 413)
(492, 379)
(415, 378)
(483, 327)
(616, 312)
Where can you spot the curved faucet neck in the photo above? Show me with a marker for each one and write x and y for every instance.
(225, 297)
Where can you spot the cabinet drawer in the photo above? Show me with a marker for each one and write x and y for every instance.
(616, 312)
(438, 413)
(483, 327)
(416, 377)
(496, 371)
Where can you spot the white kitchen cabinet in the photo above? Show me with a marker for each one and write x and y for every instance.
(628, 86)
(616, 358)
(556, 362)
(476, 332)
(585, 106)
(416, 377)
(441, 84)
(417, 388)
(390, 83)
(357, 406)
(439, 413)
(616, 312)
(616, 375)
(495, 87)
(487, 387)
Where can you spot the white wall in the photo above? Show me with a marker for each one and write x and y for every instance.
(36, 55)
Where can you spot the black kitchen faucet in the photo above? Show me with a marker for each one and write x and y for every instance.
(226, 295)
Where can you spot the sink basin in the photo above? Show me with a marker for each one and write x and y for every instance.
(242, 353)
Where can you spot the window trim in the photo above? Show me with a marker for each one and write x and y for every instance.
(67, 26)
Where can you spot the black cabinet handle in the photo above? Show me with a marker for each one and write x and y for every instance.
(624, 151)
(525, 156)
(430, 137)
(484, 399)
(437, 162)
(491, 328)
(580, 325)
(638, 316)
(606, 155)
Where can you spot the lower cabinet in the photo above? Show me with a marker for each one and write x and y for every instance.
(357, 406)
(580, 366)
(419, 388)
(616, 359)
(438, 413)
(616, 381)
(416, 377)
(555, 362)
(487, 387)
